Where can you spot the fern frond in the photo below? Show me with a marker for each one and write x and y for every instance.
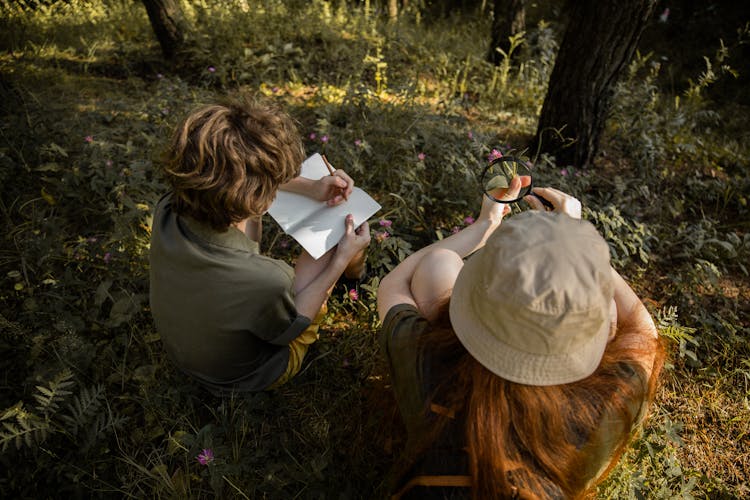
(99, 424)
(28, 429)
(84, 408)
(49, 397)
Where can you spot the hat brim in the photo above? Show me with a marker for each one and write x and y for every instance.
(508, 362)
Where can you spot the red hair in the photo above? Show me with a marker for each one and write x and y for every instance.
(525, 441)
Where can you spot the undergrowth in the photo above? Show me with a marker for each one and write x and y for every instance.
(91, 406)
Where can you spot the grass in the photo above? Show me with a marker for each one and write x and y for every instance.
(90, 404)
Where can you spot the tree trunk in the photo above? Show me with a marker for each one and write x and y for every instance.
(508, 19)
(168, 24)
(392, 10)
(599, 41)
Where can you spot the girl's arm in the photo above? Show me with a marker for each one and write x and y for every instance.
(426, 277)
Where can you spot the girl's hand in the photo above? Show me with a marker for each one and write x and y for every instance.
(562, 202)
(494, 211)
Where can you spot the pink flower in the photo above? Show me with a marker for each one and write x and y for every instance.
(564, 172)
(159, 76)
(421, 156)
(107, 257)
(385, 223)
(494, 155)
(469, 220)
(455, 229)
(89, 138)
(211, 69)
(275, 89)
(206, 456)
(324, 139)
(312, 136)
(353, 295)
(470, 134)
(358, 142)
(381, 236)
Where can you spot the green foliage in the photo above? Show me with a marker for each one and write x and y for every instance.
(83, 423)
(666, 322)
(652, 467)
(654, 127)
(627, 239)
(411, 110)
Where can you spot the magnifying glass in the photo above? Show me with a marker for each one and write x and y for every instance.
(496, 177)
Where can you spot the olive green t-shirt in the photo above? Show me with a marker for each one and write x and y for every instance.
(411, 374)
(225, 313)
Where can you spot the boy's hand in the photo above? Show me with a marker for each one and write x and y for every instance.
(333, 189)
(353, 240)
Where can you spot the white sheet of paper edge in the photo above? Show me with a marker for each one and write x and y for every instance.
(313, 224)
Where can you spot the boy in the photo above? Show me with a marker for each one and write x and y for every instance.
(227, 315)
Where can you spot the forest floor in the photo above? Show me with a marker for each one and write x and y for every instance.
(92, 406)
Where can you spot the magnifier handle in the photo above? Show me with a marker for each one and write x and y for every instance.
(544, 201)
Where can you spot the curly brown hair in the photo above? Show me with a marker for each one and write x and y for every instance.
(226, 161)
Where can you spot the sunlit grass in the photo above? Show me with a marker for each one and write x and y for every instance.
(411, 109)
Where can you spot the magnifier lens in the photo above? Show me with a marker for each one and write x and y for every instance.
(497, 177)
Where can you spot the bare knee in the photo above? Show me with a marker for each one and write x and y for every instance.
(433, 279)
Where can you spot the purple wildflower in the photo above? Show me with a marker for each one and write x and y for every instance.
(107, 257)
(312, 136)
(211, 69)
(324, 139)
(471, 135)
(564, 172)
(89, 138)
(381, 236)
(385, 223)
(206, 456)
(469, 220)
(494, 155)
(455, 229)
(358, 142)
(421, 156)
(353, 295)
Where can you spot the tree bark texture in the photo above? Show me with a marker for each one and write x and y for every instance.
(599, 42)
(392, 10)
(168, 24)
(508, 19)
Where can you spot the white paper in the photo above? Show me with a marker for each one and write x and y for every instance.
(315, 225)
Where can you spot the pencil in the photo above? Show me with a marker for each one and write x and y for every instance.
(328, 165)
(331, 171)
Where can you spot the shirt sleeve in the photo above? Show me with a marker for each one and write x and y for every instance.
(399, 341)
(277, 320)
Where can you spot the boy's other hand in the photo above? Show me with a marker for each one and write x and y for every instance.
(353, 240)
(333, 189)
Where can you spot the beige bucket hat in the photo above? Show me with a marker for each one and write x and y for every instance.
(533, 306)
